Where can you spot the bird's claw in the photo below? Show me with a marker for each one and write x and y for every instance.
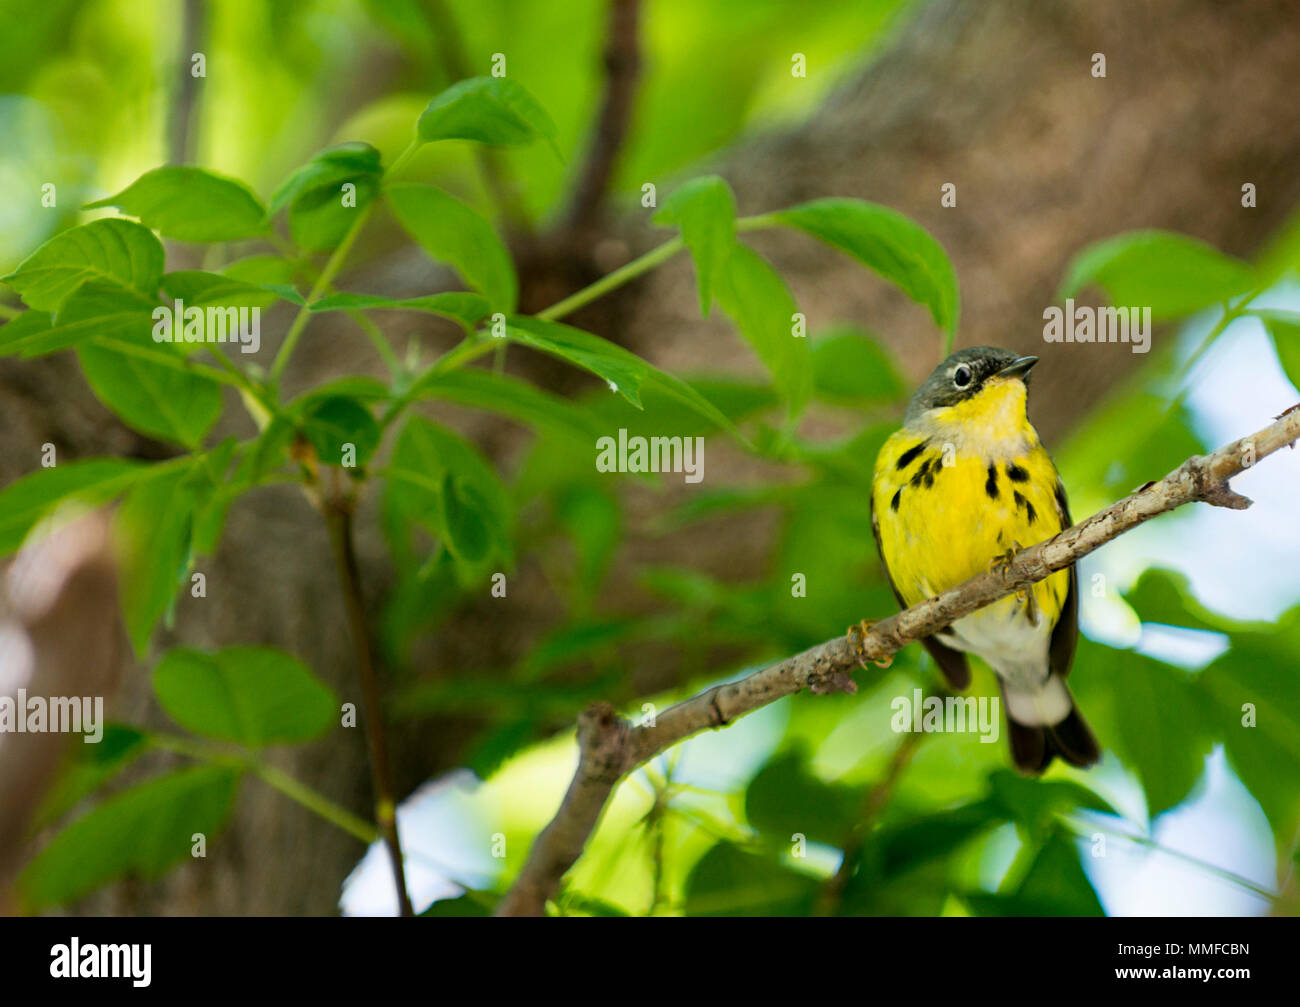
(857, 635)
(1000, 564)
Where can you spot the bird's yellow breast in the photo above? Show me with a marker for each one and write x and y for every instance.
(962, 489)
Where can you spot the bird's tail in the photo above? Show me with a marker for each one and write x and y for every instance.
(1046, 724)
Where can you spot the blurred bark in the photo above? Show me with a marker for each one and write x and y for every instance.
(61, 639)
(995, 97)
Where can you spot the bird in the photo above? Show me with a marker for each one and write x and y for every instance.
(959, 489)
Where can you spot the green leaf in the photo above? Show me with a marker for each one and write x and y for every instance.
(585, 640)
(333, 422)
(851, 366)
(453, 233)
(29, 329)
(118, 251)
(511, 397)
(191, 204)
(465, 308)
(260, 270)
(356, 386)
(704, 209)
(255, 696)
(1055, 885)
(625, 372)
(1165, 597)
(214, 493)
(492, 110)
(757, 299)
(1172, 274)
(90, 768)
(155, 399)
(439, 482)
(329, 169)
(199, 289)
(1036, 803)
(903, 846)
(1284, 329)
(140, 832)
(314, 193)
(895, 246)
(93, 481)
(1160, 719)
(1128, 440)
(728, 881)
(95, 311)
(593, 519)
(464, 906)
(785, 798)
(152, 530)
(1254, 706)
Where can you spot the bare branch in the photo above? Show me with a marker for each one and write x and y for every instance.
(338, 515)
(610, 747)
(622, 68)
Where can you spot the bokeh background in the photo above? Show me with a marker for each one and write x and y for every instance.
(638, 590)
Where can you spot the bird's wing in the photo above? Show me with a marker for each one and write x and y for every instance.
(951, 662)
(1065, 635)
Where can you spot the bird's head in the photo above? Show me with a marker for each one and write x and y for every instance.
(981, 386)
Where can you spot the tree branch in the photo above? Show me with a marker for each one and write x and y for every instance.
(338, 514)
(610, 747)
(622, 69)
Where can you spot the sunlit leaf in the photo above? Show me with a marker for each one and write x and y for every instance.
(1172, 274)
(191, 204)
(493, 110)
(704, 210)
(895, 246)
(117, 251)
(758, 301)
(453, 233)
(255, 696)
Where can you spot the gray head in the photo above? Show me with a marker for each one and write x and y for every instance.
(963, 374)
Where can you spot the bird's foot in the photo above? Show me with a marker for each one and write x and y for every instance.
(1000, 564)
(1002, 561)
(857, 635)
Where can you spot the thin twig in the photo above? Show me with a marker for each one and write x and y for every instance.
(832, 893)
(338, 514)
(610, 747)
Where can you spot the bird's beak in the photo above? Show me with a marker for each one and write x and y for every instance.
(1018, 368)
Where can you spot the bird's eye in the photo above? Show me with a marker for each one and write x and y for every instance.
(961, 376)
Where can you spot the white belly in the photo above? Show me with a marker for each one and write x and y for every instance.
(1003, 635)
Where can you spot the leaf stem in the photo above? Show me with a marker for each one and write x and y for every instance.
(289, 786)
(377, 337)
(326, 277)
(469, 348)
(311, 800)
(403, 157)
(1084, 830)
(620, 276)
